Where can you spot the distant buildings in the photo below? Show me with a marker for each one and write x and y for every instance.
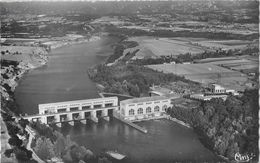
(144, 108)
(216, 91)
(204, 97)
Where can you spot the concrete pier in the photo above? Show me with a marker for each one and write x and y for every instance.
(94, 119)
(177, 121)
(71, 123)
(58, 124)
(107, 118)
(117, 116)
(84, 121)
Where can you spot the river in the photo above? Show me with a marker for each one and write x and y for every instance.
(65, 78)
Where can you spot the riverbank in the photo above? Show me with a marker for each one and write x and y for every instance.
(13, 69)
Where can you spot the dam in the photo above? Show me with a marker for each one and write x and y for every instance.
(78, 110)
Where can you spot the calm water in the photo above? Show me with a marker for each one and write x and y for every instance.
(65, 78)
(165, 142)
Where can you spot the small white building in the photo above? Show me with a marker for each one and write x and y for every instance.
(144, 108)
(207, 97)
(215, 88)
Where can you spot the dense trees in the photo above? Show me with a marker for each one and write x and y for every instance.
(227, 126)
(44, 148)
(21, 153)
(119, 50)
(44, 130)
(55, 144)
(130, 79)
(15, 141)
(8, 152)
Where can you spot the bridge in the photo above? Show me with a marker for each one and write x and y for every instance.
(79, 110)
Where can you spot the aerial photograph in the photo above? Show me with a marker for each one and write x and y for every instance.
(129, 81)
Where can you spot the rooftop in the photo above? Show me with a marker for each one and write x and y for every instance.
(78, 101)
(144, 99)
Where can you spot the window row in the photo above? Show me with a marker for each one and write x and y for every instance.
(148, 110)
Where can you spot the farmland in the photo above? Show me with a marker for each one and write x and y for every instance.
(205, 73)
(211, 44)
(249, 63)
(153, 47)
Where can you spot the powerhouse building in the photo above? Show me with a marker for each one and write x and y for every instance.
(144, 108)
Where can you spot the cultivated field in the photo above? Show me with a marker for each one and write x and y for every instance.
(154, 47)
(217, 44)
(224, 44)
(234, 63)
(205, 73)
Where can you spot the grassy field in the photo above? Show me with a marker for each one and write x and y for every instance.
(154, 47)
(216, 44)
(224, 44)
(205, 73)
(234, 63)
(190, 69)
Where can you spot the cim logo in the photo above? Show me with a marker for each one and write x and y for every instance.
(243, 157)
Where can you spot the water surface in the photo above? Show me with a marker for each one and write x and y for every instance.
(165, 142)
(64, 77)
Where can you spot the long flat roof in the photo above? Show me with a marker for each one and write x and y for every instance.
(79, 101)
(144, 99)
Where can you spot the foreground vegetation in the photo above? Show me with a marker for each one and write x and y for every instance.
(50, 144)
(227, 127)
(18, 146)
